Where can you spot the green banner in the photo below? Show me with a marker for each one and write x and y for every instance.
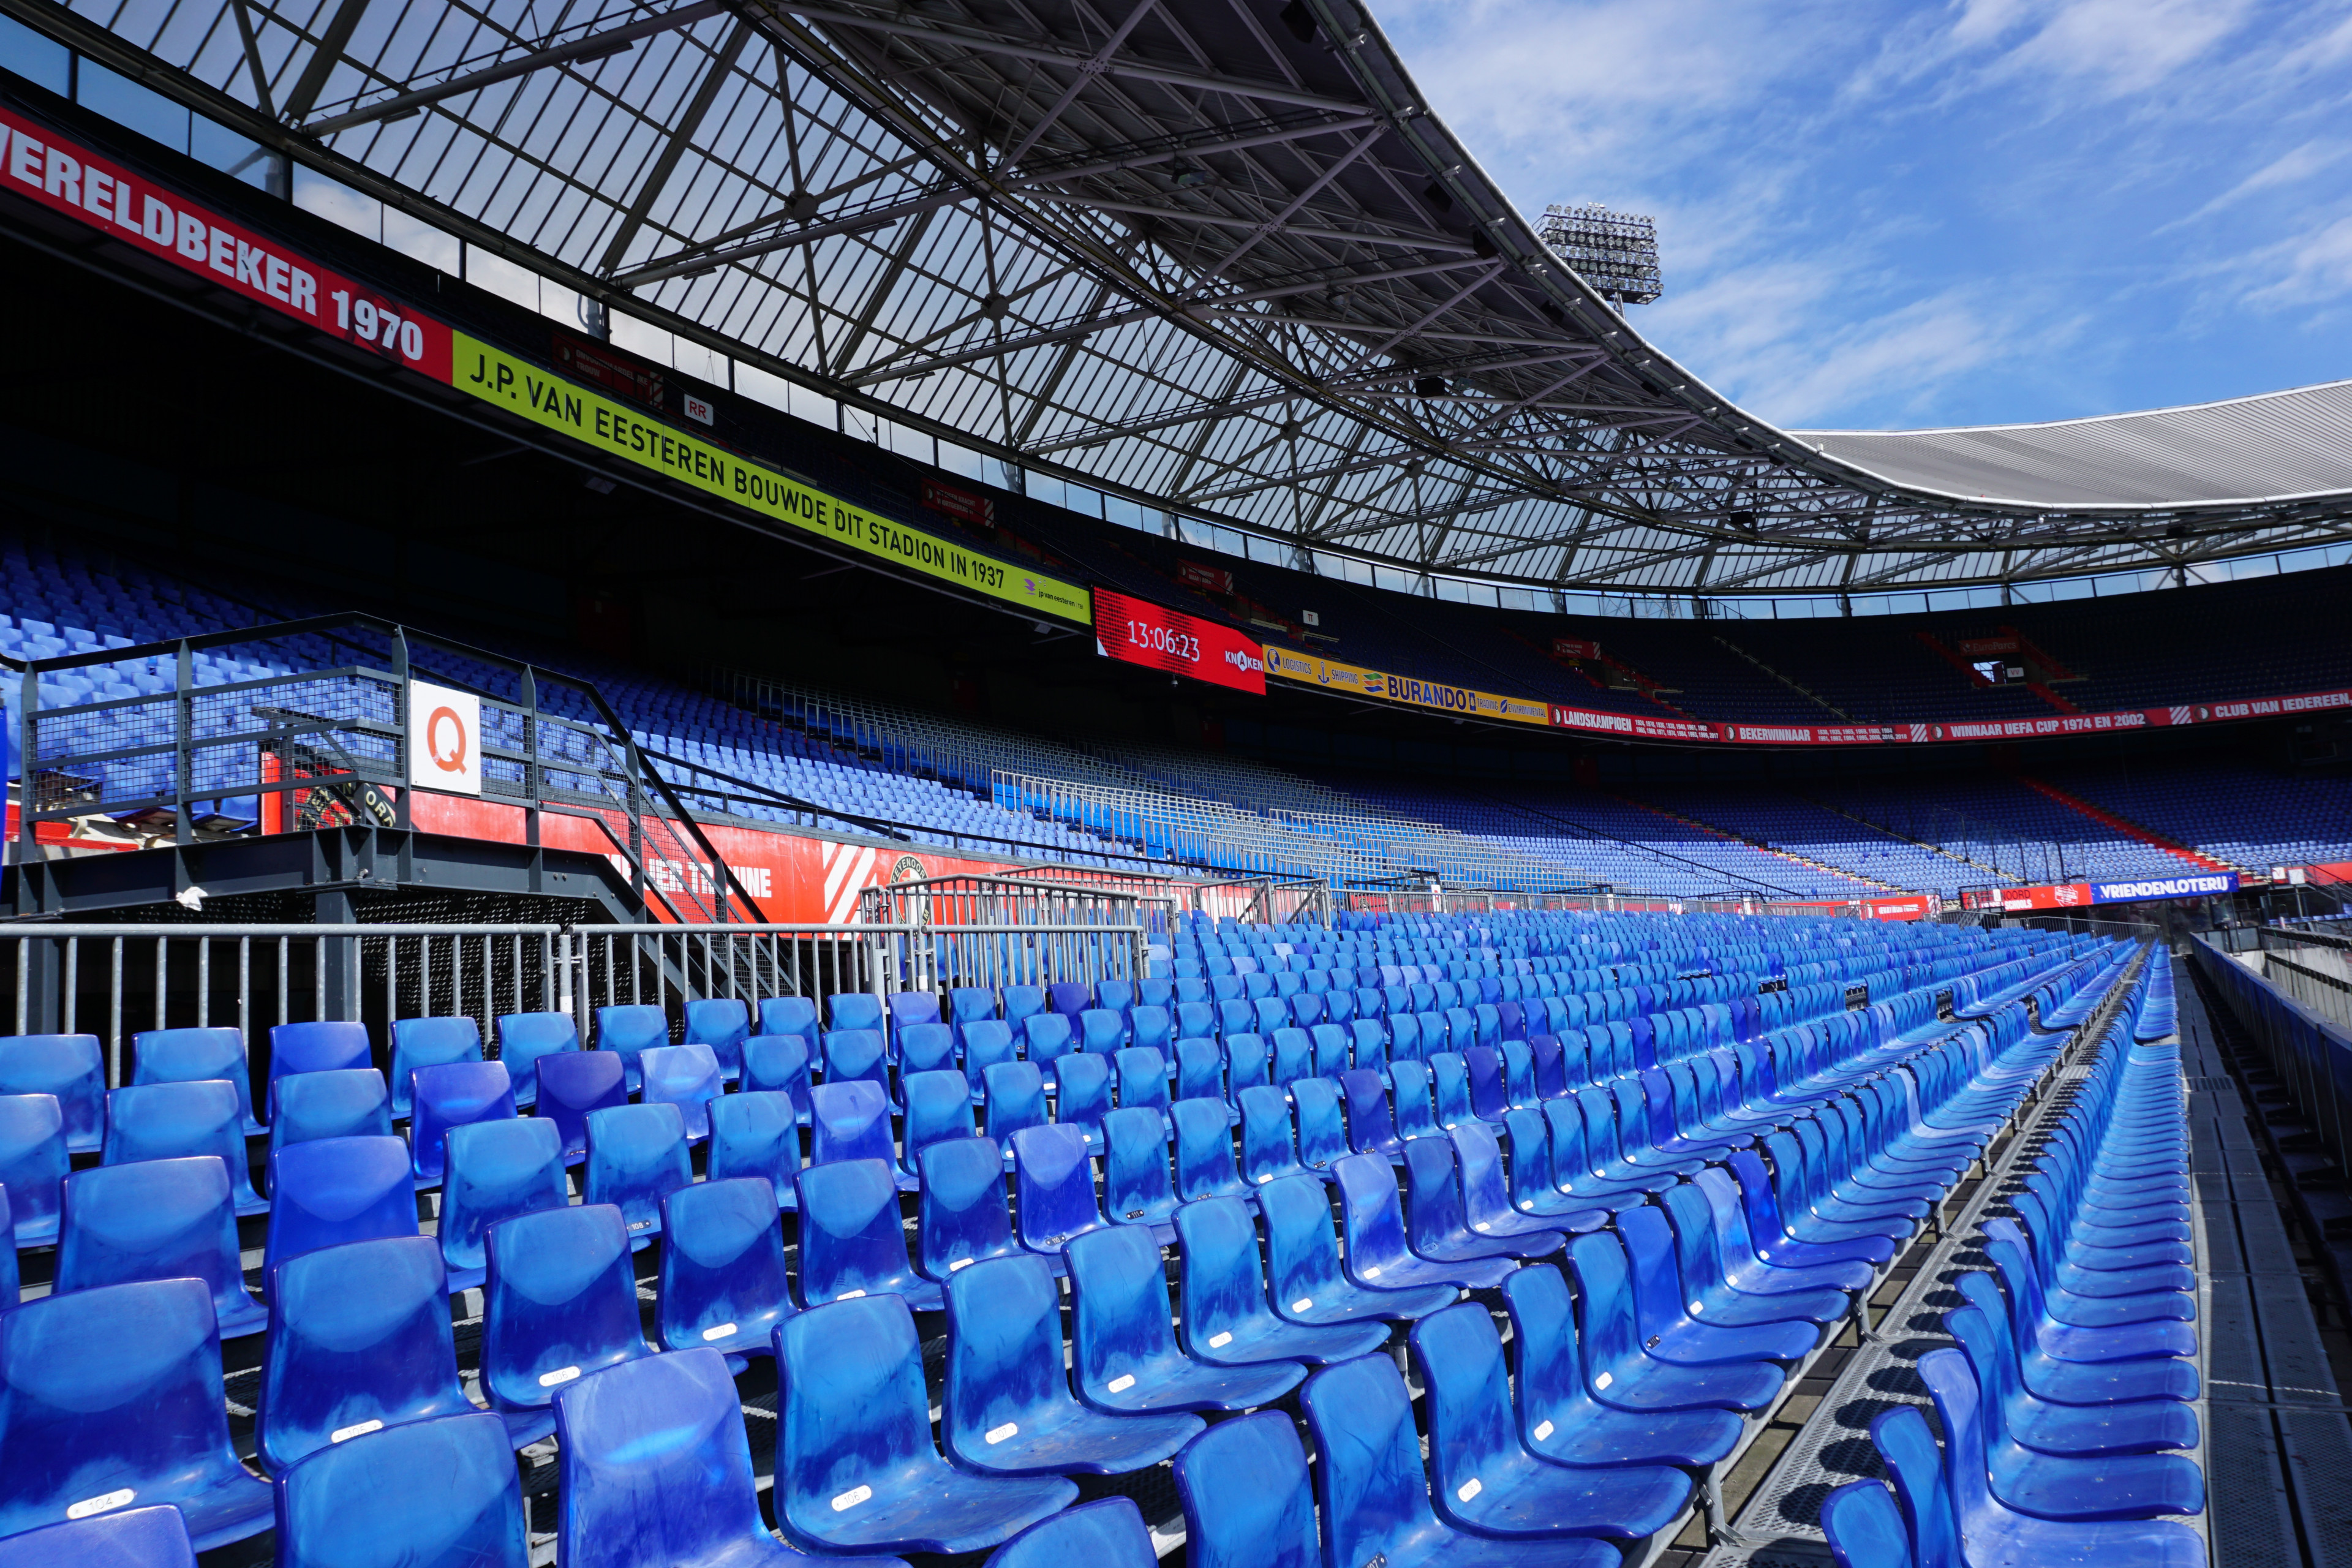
(506, 382)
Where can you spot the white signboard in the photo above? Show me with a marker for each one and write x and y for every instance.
(445, 731)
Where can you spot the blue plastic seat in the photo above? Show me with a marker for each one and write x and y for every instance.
(356, 1504)
(113, 1395)
(1268, 1146)
(857, 1055)
(67, 1066)
(496, 1170)
(11, 1279)
(1007, 1409)
(657, 1471)
(924, 1048)
(722, 1269)
(454, 1094)
(319, 1046)
(626, 1030)
(334, 1190)
(571, 1087)
(524, 1038)
(1082, 1094)
(1865, 1528)
(1247, 1065)
(963, 1218)
(1124, 1357)
(1045, 1039)
(362, 1341)
(1320, 1122)
(1101, 1030)
(1199, 1069)
(1243, 1487)
(174, 1121)
(422, 1043)
(1305, 1281)
(1204, 1150)
(1371, 1130)
(687, 1076)
(782, 1064)
(1559, 1417)
(1619, 1371)
(1293, 1056)
(1015, 1096)
(1672, 1333)
(851, 1121)
(722, 1024)
(855, 1466)
(1109, 1532)
(986, 1043)
(1053, 1185)
(157, 1219)
(1137, 1186)
(1023, 1003)
(190, 1056)
(348, 1103)
(1488, 1481)
(852, 1242)
(561, 1302)
(127, 1537)
(2044, 1376)
(1373, 1490)
(1227, 1317)
(1371, 1217)
(636, 1154)
(2118, 1428)
(756, 1133)
(32, 1163)
(789, 1015)
(938, 1107)
(1438, 1222)
(1142, 1078)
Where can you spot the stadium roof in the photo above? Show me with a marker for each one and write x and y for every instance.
(1217, 256)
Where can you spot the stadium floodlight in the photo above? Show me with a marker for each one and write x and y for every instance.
(1616, 253)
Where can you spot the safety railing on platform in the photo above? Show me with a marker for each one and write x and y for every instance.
(2308, 1042)
(118, 980)
(200, 752)
(972, 899)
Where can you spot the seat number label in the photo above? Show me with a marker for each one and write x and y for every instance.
(1121, 1383)
(851, 1498)
(718, 1332)
(360, 1430)
(998, 1433)
(561, 1374)
(100, 1504)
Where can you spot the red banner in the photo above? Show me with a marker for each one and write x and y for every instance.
(1918, 907)
(1573, 648)
(1143, 633)
(1984, 647)
(2063, 896)
(39, 166)
(963, 505)
(1216, 579)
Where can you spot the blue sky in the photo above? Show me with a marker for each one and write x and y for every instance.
(1877, 215)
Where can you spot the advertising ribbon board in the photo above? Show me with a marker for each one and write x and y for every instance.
(1144, 632)
(1314, 670)
(2195, 887)
(38, 164)
(509, 382)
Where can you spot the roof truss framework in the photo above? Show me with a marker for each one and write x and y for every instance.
(1208, 252)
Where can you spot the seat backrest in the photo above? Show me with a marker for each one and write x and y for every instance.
(183, 1056)
(120, 1384)
(429, 1042)
(1205, 1148)
(939, 1106)
(357, 1507)
(1055, 1182)
(126, 1538)
(1244, 1489)
(636, 1153)
(451, 1095)
(1865, 1528)
(1199, 1069)
(1150, 1029)
(1459, 1359)
(1070, 997)
(1023, 1002)
(852, 1010)
(1322, 1128)
(1268, 1147)
(1137, 1186)
(574, 1084)
(925, 1047)
(1108, 1532)
(346, 1102)
(1120, 1314)
(1082, 1097)
(851, 1121)
(495, 1171)
(1248, 1064)
(156, 1219)
(656, 1466)
(856, 1054)
(1293, 1056)
(688, 1076)
(561, 1301)
(986, 1042)
(723, 1024)
(723, 1267)
(1014, 1093)
(853, 1412)
(789, 1015)
(1142, 1077)
(1222, 1281)
(168, 1120)
(67, 1066)
(524, 1038)
(1005, 1351)
(962, 1217)
(756, 1133)
(1924, 1485)
(851, 1238)
(334, 1190)
(782, 1064)
(1369, 1476)
(359, 1334)
(316, 1047)
(1101, 1031)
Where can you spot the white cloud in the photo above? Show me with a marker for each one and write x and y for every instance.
(2288, 168)
(2317, 268)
